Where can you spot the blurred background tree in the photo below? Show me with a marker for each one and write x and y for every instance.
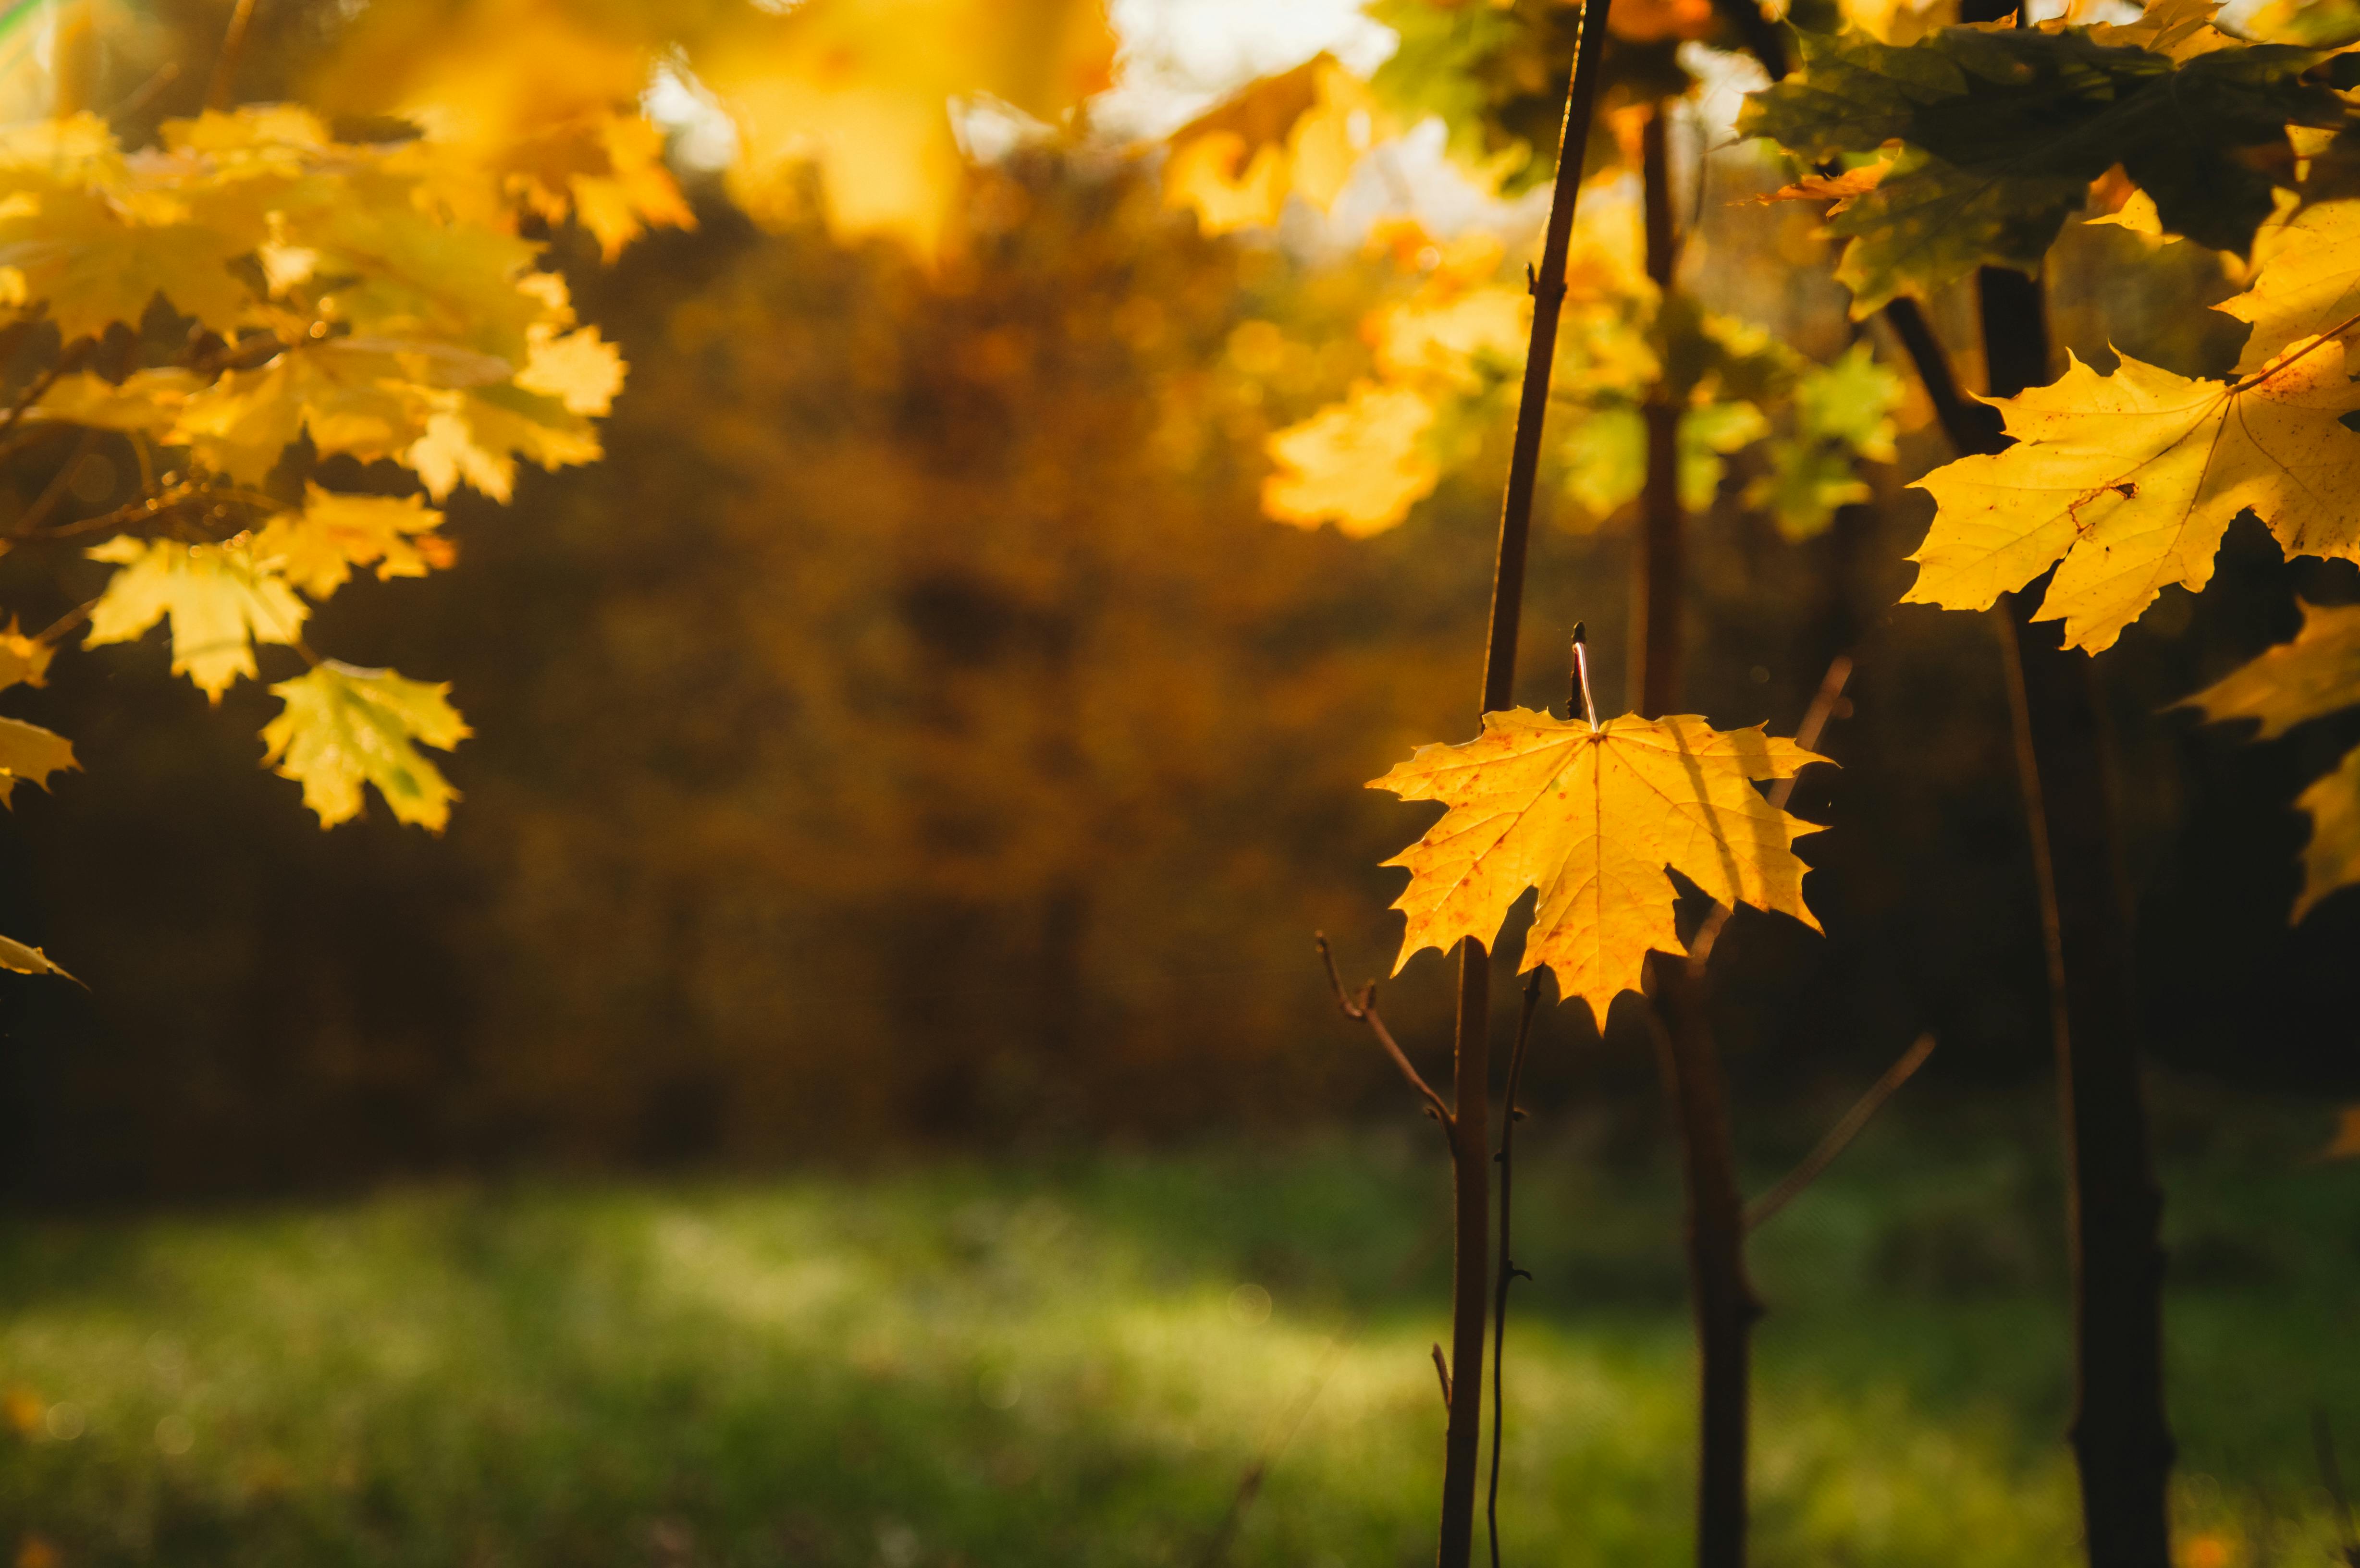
(915, 731)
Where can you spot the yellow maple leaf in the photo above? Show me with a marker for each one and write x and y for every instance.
(24, 660)
(2316, 674)
(475, 439)
(148, 401)
(27, 959)
(317, 548)
(2126, 482)
(539, 95)
(1360, 463)
(580, 369)
(2306, 280)
(1298, 133)
(343, 727)
(219, 601)
(95, 242)
(29, 753)
(349, 397)
(2331, 858)
(1456, 323)
(1593, 817)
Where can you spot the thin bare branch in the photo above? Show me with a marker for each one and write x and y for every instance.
(54, 492)
(146, 509)
(1806, 735)
(1365, 1010)
(1507, 1265)
(137, 100)
(1840, 1136)
(1442, 1372)
(224, 79)
(67, 622)
(39, 386)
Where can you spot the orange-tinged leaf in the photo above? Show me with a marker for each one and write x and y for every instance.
(1593, 819)
(1837, 187)
(2346, 1143)
(1660, 21)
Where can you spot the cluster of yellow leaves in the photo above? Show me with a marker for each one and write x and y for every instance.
(2316, 674)
(541, 96)
(1592, 818)
(2126, 482)
(1300, 133)
(358, 308)
(1364, 462)
(360, 299)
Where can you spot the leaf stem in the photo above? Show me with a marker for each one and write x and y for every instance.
(1579, 696)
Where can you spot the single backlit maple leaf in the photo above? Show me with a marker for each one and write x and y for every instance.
(1593, 818)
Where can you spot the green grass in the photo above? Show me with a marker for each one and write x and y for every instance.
(1072, 1364)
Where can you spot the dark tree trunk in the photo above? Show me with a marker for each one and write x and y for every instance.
(1725, 1302)
(2122, 1440)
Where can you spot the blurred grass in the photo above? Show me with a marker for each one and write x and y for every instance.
(1074, 1362)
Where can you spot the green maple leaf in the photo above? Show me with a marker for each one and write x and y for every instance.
(2002, 130)
(345, 728)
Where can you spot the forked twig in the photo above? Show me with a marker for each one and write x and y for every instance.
(1442, 1372)
(1365, 1010)
(1840, 1136)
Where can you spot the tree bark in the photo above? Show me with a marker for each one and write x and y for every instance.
(2122, 1439)
(1723, 1299)
(1725, 1306)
